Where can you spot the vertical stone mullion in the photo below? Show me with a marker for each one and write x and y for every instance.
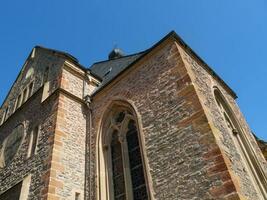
(108, 169)
(126, 167)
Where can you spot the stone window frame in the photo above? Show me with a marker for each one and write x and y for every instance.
(105, 189)
(45, 83)
(242, 143)
(24, 95)
(25, 187)
(30, 88)
(18, 102)
(77, 194)
(30, 153)
(4, 116)
(45, 77)
(2, 156)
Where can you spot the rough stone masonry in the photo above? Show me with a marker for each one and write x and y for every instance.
(193, 138)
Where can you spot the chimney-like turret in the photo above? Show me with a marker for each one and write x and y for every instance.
(115, 53)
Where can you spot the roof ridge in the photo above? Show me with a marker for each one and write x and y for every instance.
(68, 55)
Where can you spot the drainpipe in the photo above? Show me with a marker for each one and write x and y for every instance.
(87, 101)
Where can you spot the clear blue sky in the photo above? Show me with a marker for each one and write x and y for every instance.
(230, 35)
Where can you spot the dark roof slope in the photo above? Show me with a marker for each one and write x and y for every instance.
(109, 69)
(108, 72)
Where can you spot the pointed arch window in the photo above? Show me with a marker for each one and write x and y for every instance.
(126, 177)
(242, 143)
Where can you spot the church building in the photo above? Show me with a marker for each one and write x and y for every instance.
(156, 125)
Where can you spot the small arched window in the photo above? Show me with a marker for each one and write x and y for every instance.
(243, 145)
(123, 161)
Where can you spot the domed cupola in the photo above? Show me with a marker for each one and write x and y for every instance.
(115, 53)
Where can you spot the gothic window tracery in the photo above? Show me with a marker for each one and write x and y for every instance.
(124, 159)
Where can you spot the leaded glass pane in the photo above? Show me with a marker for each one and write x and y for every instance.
(135, 158)
(117, 168)
(123, 197)
(119, 186)
(140, 193)
(119, 117)
(136, 166)
(132, 141)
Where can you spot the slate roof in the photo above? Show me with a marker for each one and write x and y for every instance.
(109, 69)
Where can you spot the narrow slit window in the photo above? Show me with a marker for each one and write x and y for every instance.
(30, 90)
(33, 143)
(24, 95)
(18, 102)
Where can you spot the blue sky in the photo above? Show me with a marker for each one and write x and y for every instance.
(230, 35)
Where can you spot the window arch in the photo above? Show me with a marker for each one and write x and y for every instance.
(122, 170)
(242, 143)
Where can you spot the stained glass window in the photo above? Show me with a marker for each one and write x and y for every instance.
(117, 168)
(136, 166)
(128, 178)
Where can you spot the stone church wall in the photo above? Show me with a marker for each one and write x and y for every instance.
(37, 65)
(68, 157)
(204, 84)
(32, 113)
(57, 170)
(187, 150)
(184, 161)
